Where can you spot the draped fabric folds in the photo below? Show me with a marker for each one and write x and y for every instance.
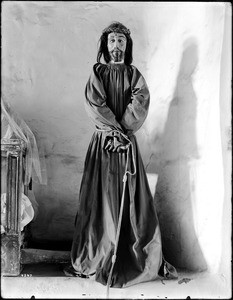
(117, 101)
(14, 127)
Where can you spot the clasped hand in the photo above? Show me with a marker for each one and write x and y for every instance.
(116, 143)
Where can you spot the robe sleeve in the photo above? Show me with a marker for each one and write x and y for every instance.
(137, 110)
(95, 103)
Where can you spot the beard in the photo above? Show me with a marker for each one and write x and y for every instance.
(117, 55)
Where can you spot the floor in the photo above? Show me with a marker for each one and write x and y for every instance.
(48, 281)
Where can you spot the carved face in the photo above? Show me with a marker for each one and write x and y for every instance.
(116, 46)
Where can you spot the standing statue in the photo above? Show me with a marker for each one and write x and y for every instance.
(117, 236)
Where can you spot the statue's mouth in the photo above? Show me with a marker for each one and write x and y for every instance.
(117, 55)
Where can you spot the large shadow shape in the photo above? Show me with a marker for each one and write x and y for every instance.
(175, 193)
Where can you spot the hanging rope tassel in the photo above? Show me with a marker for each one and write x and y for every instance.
(122, 200)
(121, 213)
(117, 234)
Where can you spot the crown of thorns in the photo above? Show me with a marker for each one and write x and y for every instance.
(117, 27)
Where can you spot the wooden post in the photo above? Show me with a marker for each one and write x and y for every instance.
(13, 253)
(11, 239)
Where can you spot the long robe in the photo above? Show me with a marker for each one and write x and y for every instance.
(117, 101)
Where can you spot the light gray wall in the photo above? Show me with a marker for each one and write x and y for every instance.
(49, 49)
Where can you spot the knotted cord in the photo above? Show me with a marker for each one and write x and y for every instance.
(122, 200)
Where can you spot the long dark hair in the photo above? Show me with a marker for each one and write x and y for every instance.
(103, 43)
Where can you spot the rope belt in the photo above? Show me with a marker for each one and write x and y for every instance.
(130, 148)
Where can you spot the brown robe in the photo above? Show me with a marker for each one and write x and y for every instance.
(117, 101)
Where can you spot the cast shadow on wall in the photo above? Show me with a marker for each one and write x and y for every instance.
(175, 192)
